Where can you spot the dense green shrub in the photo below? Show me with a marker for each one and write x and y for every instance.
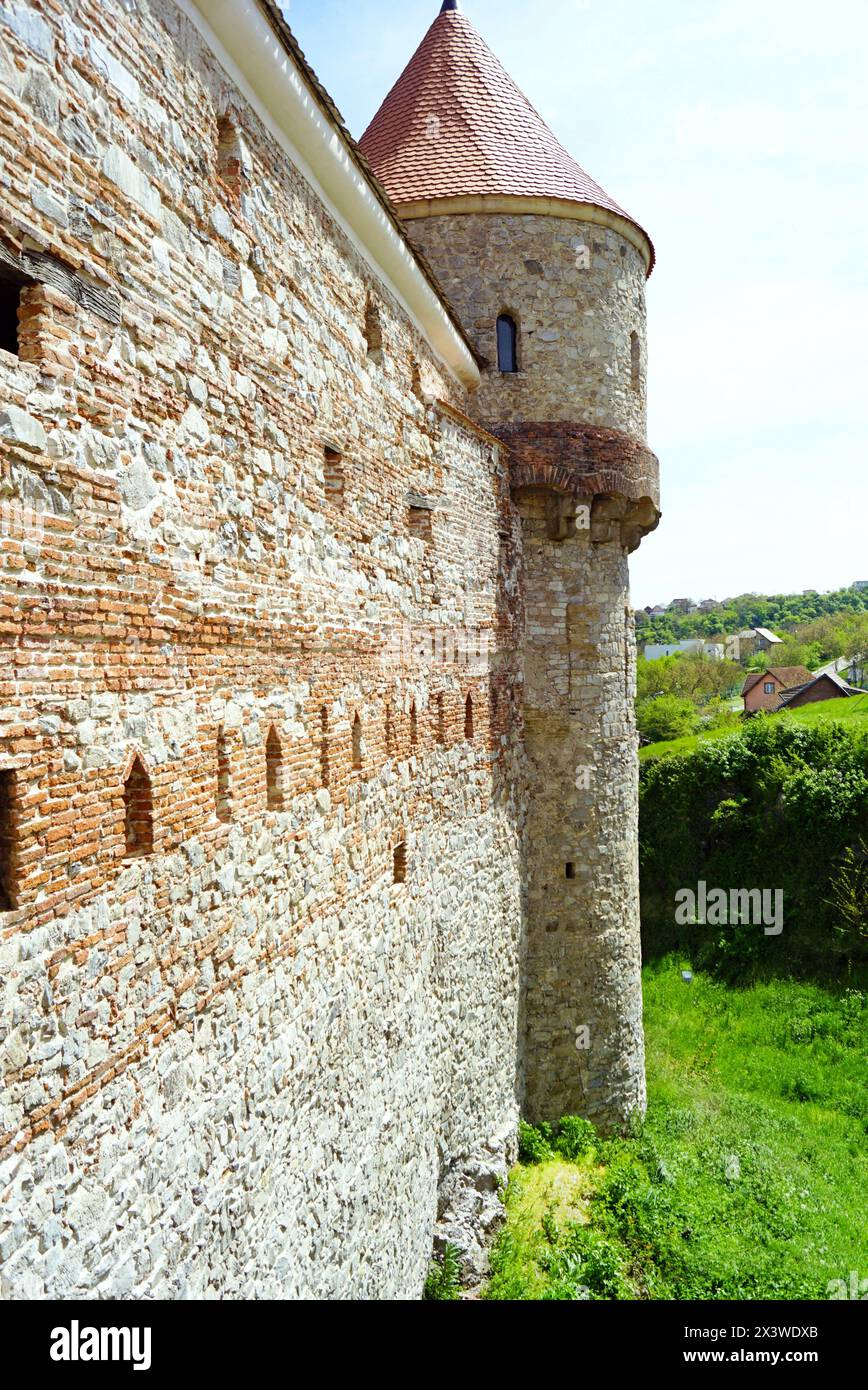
(575, 1138)
(666, 716)
(534, 1142)
(780, 806)
(586, 1265)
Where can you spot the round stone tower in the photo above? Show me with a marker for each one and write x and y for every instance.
(548, 275)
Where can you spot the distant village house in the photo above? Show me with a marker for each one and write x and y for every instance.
(754, 639)
(788, 687)
(828, 686)
(762, 690)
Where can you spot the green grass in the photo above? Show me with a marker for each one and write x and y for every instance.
(748, 1178)
(852, 711)
(687, 744)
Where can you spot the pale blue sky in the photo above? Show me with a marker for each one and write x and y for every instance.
(736, 131)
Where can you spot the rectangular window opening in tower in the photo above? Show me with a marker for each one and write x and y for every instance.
(138, 812)
(635, 362)
(224, 786)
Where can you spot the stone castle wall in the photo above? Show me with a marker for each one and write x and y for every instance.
(238, 1064)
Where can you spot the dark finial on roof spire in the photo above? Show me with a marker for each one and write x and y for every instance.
(450, 5)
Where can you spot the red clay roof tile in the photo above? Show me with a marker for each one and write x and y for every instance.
(455, 124)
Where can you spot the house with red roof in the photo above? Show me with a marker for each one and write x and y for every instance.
(762, 690)
(789, 687)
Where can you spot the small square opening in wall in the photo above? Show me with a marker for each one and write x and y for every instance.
(10, 299)
(419, 523)
(569, 869)
(399, 862)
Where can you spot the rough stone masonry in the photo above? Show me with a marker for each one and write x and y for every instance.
(302, 640)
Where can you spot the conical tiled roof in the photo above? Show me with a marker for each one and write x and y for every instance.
(456, 125)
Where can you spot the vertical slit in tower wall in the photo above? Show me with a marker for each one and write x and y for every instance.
(138, 812)
(273, 771)
(324, 754)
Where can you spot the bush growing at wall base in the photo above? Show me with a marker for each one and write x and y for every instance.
(572, 1138)
(443, 1281)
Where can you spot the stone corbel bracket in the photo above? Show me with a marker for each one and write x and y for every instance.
(579, 465)
(617, 518)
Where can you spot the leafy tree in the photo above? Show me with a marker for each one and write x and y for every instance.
(849, 894)
(780, 612)
(666, 716)
(689, 674)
